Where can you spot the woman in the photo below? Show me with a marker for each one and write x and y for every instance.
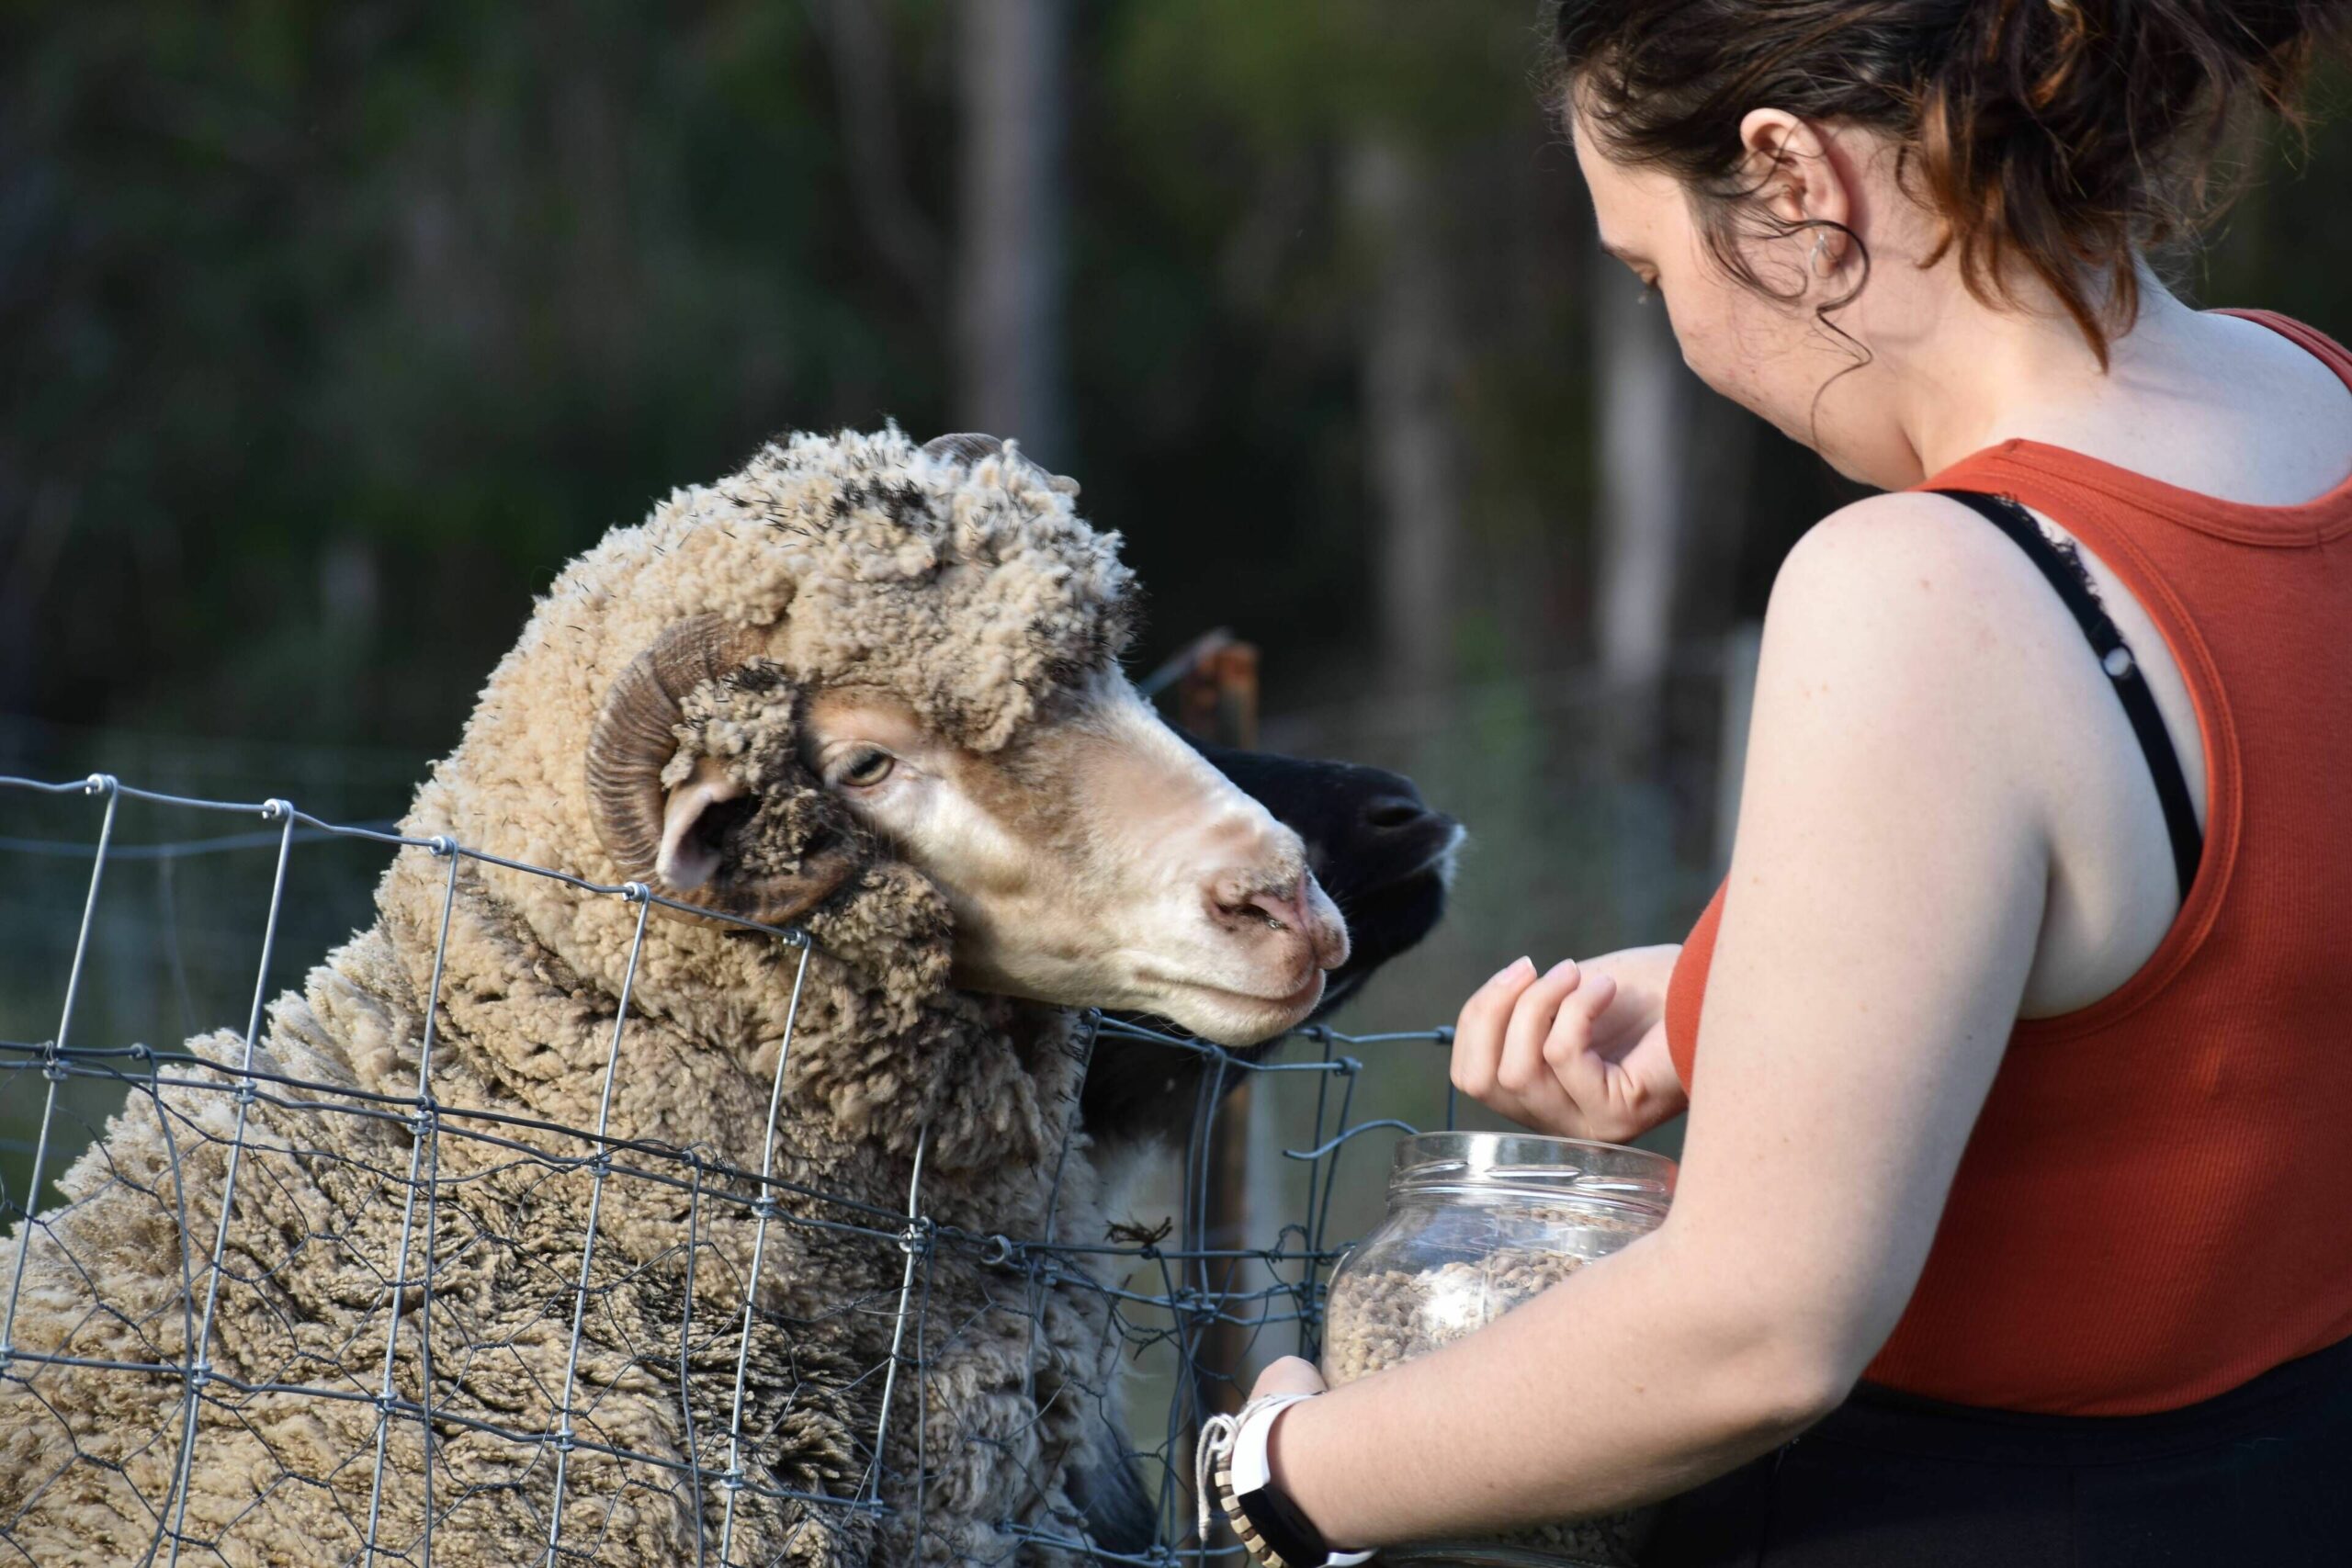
(2018, 1171)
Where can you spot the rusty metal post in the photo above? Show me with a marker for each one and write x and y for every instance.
(1217, 694)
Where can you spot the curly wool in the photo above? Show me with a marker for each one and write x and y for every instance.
(971, 592)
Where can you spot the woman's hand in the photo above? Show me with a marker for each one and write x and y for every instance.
(1287, 1374)
(1578, 1051)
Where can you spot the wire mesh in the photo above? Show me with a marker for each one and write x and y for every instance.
(467, 1330)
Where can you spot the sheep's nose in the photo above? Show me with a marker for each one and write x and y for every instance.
(1284, 911)
(1246, 907)
(1237, 899)
(1388, 815)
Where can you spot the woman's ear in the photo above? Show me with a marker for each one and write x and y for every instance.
(1793, 171)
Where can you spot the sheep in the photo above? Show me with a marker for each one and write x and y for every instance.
(1387, 862)
(862, 688)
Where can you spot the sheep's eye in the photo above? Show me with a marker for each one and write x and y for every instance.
(867, 769)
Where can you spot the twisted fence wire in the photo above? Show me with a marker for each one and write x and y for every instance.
(1159, 1300)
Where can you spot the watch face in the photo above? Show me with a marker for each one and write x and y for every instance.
(1284, 1529)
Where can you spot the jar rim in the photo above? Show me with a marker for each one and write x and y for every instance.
(1536, 1161)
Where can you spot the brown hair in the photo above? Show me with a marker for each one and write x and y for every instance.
(2058, 135)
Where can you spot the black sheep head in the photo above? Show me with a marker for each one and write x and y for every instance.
(1382, 854)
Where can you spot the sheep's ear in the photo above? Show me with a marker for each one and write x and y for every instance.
(691, 864)
(689, 858)
(671, 833)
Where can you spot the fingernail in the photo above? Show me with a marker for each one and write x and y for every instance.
(1508, 970)
(1563, 965)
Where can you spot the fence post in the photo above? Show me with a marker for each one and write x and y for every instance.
(1217, 692)
(1216, 701)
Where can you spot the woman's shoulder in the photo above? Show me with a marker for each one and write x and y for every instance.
(1910, 614)
(1882, 532)
(1903, 574)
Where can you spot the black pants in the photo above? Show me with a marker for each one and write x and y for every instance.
(2260, 1475)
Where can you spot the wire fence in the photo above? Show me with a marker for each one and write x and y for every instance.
(463, 1328)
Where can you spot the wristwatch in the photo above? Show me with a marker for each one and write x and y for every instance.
(1273, 1531)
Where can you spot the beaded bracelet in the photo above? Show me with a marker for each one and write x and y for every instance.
(1230, 1468)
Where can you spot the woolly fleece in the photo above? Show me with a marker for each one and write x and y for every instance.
(974, 593)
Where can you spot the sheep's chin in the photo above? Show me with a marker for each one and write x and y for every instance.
(1236, 1017)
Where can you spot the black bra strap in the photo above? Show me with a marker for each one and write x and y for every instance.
(2074, 585)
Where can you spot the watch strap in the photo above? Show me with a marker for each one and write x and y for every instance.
(1273, 1531)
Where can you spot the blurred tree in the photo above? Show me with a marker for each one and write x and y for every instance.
(424, 297)
(863, 59)
(327, 333)
(1410, 354)
(1013, 89)
(1646, 495)
(1360, 118)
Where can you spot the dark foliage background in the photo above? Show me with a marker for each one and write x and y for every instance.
(327, 331)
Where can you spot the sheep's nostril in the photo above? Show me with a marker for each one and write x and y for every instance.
(1393, 813)
(1234, 899)
(1280, 911)
(1247, 911)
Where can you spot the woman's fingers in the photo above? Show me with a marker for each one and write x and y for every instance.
(1478, 1033)
(1568, 1054)
(1498, 1047)
(1623, 1090)
(1575, 1050)
(1521, 1071)
(1658, 1088)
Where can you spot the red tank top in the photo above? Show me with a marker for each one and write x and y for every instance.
(2155, 1204)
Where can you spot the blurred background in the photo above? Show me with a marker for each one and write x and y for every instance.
(327, 331)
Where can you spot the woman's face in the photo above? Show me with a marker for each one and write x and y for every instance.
(1772, 355)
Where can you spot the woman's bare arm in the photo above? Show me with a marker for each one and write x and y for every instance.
(1885, 896)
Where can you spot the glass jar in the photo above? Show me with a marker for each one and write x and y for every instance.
(1478, 1222)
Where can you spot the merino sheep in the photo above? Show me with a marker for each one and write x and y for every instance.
(1386, 860)
(859, 685)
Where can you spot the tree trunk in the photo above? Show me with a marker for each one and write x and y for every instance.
(855, 34)
(1411, 446)
(1645, 444)
(1646, 406)
(1012, 58)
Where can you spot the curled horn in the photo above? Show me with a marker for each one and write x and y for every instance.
(964, 447)
(636, 736)
(968, 448)
(637, 733)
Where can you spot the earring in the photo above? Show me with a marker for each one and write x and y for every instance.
(1820, 250)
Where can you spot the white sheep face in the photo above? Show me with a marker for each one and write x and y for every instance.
(1096, 861)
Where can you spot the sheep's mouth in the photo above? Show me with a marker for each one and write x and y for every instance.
(1298, 1002)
